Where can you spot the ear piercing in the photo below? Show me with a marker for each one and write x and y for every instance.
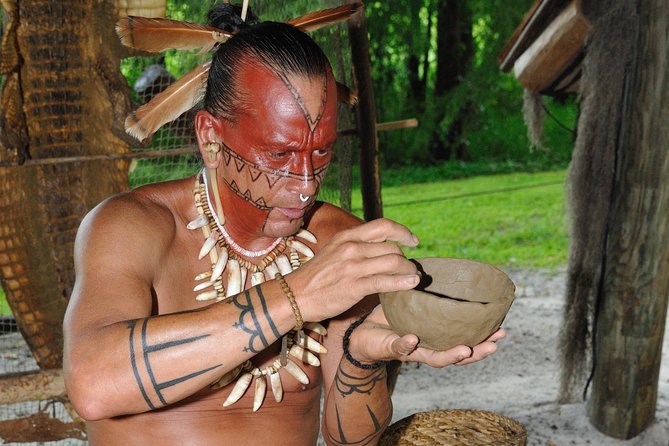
(212, 148)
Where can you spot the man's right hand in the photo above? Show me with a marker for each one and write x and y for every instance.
(355, 263)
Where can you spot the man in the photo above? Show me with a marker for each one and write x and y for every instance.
(143, 341)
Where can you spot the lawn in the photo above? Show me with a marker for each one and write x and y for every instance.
(513, 219)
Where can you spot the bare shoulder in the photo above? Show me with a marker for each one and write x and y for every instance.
(325, 220)
(141, 222)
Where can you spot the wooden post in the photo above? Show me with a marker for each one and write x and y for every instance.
(370, 172)
(632, 303)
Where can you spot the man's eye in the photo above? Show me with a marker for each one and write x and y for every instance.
(278, 155)
(322, 152)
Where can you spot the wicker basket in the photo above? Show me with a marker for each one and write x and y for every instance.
(455, 427)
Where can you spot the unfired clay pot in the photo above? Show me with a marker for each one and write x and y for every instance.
(457, 302)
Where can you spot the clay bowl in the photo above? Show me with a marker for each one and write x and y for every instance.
(457, 302)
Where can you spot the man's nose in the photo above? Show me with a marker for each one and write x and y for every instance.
(306, 184)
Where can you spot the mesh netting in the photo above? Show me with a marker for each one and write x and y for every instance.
(170, 154)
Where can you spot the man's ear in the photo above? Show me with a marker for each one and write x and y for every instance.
(208, 130)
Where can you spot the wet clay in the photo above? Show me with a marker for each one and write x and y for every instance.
(457, 302)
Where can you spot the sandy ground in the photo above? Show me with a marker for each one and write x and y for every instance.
(521, 380)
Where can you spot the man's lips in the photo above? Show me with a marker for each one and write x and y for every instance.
(292, 212)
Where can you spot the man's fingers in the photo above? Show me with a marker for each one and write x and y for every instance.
(387, 283)
(481, 351)
(382, 230)
(392, 264)
(405, 345)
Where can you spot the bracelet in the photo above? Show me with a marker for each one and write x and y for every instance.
(347, 353)
(299, 322)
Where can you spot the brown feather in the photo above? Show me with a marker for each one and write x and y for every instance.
(345, 95)
(319, 19)
(169, 104)
(156, 35)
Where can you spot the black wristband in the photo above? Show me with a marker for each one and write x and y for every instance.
(347, 354)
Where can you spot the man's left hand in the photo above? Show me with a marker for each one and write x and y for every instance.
(374, 340)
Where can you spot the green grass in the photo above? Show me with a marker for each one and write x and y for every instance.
(506, 220)
(515, 219)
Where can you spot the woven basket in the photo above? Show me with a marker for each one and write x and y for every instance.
(455, 427)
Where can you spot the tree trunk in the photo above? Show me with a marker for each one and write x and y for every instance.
(370, 169)
(74, 100)
(632, 304)
(455, 49)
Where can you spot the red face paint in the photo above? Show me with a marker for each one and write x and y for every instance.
(278, 150)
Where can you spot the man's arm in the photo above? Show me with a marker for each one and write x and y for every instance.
(357, 407)
(357, 404)
(118, 358)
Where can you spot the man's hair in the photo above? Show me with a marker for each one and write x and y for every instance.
(278, 46)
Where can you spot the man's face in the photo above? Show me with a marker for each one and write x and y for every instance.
(277, 152)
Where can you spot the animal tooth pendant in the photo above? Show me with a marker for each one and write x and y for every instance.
(309, 343)
(234, 278)
(315, 327)
(301, 248)
(296, 372)
(304, 355)
(284, 265)
(306, 235)
(208, 245)
(198, 222)
(220, 265)
(238, 390)
(257, 278)
(227, 378)
(277, 387)
(260, 390)
(284, 255)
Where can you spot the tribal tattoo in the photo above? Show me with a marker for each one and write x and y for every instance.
(250, 319)
(253, 182)
(344, 439)
(348, 384)
(140, 360)
(312, 121)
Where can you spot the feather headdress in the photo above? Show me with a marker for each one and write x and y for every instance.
(156, 35)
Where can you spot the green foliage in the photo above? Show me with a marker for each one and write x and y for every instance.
(506, 220)
(492, 101)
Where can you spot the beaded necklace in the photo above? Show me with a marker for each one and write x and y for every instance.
(226, 255)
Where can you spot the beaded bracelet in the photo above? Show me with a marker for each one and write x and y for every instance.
(347, 353)
(299, 322)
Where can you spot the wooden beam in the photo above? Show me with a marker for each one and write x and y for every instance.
(31, 386)
(548, 56)
(370, 170)
(537, 18)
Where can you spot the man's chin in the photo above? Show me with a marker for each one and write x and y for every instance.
(283, 227)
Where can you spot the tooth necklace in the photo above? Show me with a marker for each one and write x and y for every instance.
(226, 255)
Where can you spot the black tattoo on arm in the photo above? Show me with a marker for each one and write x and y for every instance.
(377, 427)
(144, 351)
(347, 384)
(249, 318)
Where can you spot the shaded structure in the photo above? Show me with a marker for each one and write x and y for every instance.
(618, 272)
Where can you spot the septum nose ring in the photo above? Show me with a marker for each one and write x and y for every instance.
(304, 199)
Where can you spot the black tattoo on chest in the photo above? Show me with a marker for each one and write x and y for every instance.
(140, 361)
